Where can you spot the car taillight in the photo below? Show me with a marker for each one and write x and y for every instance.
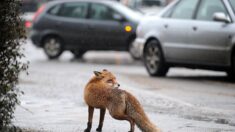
(28, 24)
(39, 11)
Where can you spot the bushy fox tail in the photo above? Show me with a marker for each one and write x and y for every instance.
(136, 112)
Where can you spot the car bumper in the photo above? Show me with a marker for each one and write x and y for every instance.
(139, 45)
(35, 37)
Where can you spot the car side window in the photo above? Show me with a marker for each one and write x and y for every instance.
(101, 12)
(184, 9)
(232, 2)
(208, 8)
(74, 10)
(54, 10)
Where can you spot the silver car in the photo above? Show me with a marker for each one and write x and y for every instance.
(189, 33)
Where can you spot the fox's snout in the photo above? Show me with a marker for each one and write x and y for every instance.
(117, 85)
(114, 84)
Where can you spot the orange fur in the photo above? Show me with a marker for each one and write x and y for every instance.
(100, 93)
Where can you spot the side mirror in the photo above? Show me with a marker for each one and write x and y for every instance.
(118, 17)
(221, 17)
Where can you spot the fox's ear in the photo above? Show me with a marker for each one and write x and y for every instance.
(105, 70)
(97, 73)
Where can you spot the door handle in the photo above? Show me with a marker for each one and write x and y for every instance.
(195, 28)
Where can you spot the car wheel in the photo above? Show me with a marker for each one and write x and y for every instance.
(231, 72)
(78, 53)
(53, 47)
(154, 60)
(134, 51)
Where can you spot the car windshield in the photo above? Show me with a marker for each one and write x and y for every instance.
(233, 5)
(129, 12)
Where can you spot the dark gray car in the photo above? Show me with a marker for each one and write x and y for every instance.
(192, 33)
(80, 26)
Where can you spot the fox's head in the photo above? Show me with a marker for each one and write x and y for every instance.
(107, 77)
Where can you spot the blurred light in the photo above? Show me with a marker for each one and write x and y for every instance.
(39, 11)
(28, 24)
(128, 28)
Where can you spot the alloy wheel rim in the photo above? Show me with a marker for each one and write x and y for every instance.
(152, 58)
(52, 47)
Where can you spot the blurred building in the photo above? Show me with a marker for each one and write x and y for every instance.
(169, 1)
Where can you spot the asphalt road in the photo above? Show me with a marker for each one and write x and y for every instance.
(184, 101)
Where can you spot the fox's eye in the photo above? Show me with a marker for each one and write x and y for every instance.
(110, 81)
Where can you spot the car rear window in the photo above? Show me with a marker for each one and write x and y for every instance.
(233, 5)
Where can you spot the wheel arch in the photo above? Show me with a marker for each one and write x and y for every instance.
(231, 70)
(232, 49)
(50, 35)
(232, 54)
(158, 42)
(129, 40)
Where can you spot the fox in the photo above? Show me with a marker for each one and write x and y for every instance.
(103, 92)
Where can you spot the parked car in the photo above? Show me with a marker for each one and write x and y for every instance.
(83, 25)
(28, 9)
(191, 33)
(27, 12)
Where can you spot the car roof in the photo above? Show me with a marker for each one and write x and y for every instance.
(133, 16)
(90, 1)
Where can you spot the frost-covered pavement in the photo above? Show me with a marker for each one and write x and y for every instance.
(53, 99)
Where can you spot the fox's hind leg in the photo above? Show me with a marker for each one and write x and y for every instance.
(89, 124)
(102, 114)
(126, 117)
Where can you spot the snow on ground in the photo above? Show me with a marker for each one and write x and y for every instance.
(53, 99)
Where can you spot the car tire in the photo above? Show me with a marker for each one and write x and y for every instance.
(231, 72)
(154, 60)
(53, 47)
(78, 53)
(134, 51)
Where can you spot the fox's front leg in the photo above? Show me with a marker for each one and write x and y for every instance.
(90, 116)
(102, 114)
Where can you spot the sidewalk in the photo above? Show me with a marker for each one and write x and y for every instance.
(53, 101)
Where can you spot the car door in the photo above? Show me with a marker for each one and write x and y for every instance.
(176, 29)
(105, 32)
(209, 40)
(72, 24)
